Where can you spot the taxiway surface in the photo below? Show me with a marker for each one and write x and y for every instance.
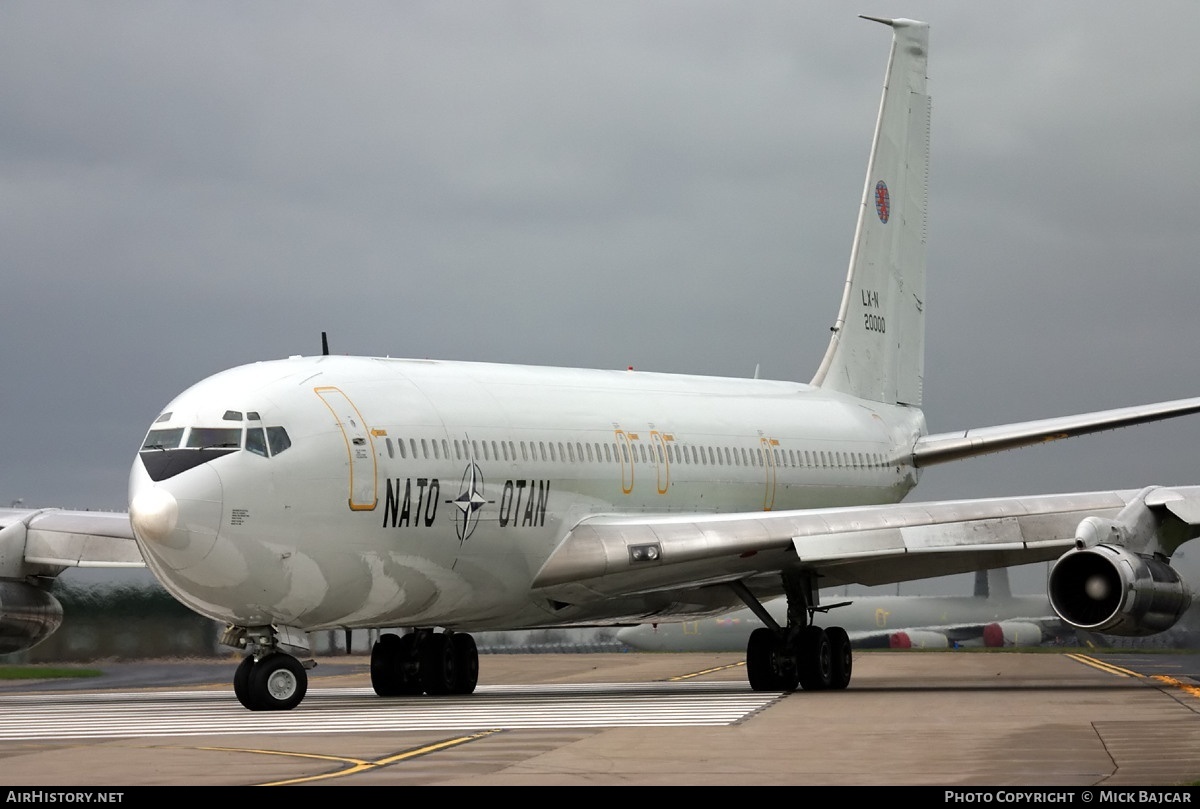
(944, 719)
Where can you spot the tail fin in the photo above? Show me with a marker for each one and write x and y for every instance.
(877, 350)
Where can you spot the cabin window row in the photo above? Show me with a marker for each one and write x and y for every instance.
(622, 452)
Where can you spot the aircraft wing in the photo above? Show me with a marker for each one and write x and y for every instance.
(57, 538)
(943, 447)
(608, 556)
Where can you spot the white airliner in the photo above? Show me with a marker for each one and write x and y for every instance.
(993, 617)
(313, 493)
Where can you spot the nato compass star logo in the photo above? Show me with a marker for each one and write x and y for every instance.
(883, 202)
(468, 502)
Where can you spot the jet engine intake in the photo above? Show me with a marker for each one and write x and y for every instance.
(28, 615)
(1112, 590)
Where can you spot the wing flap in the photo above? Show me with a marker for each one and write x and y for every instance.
(610, 555)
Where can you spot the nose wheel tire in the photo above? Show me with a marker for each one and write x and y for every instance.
(277, 682)
(241, 683)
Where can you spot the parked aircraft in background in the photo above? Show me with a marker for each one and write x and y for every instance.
(333, 492)
(992, 617)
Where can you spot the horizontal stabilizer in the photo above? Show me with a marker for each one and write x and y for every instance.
(943, 447)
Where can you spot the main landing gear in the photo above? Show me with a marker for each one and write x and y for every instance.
(800, 654)
(424, 661)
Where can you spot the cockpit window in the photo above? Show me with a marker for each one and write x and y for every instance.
(214, 437)
(232, 415)
(256, 442)
(278, 438)
(163, 439)
(164, 417)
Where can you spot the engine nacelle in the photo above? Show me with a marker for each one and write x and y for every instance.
(1012, 633)
(918, 639)
(1110, 589)
(28, 615)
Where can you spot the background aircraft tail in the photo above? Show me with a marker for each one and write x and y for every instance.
(877, 351)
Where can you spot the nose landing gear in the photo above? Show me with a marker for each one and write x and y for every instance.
(275, 682)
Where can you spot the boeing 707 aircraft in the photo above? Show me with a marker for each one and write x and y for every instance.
(993, 617)
(320, 492)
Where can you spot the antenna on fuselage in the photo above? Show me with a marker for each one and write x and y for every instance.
(324, 345)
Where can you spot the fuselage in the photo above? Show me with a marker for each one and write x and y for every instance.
(335, 491)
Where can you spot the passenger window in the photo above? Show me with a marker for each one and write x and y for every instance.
(278, 440)
(256, 441)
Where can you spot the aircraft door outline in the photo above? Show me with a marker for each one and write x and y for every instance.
(360, 448)
(625, 451)
(766, 445)
(662, 461)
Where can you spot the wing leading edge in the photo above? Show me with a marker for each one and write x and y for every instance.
(57, 538)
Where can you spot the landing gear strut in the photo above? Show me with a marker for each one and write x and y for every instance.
(424, 661)
(800, 654)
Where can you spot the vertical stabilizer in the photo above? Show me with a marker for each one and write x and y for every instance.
(877, 351)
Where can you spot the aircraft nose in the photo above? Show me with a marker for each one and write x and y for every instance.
(176, 522)
(154, 513)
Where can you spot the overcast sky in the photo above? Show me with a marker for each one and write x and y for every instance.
(670, 185)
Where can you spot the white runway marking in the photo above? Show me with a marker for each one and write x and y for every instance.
(95, 715)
